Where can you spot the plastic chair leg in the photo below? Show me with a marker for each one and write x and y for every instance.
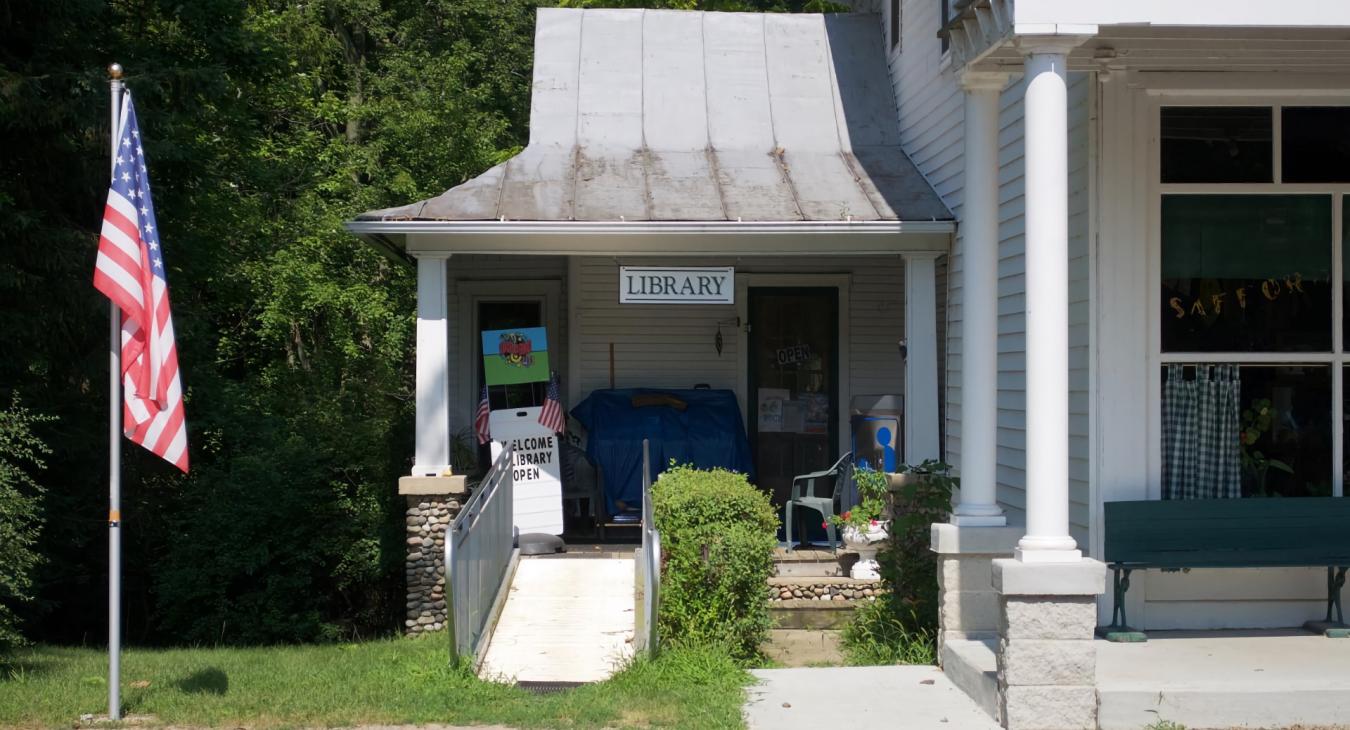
(829, 532)
(787, 519)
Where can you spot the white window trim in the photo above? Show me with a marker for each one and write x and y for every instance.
(841, 282)
(1337, 358)
(548, 292)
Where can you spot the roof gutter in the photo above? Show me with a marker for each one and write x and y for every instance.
(371, 229)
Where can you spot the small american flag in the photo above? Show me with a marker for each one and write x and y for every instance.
(551, 415)
(130, 272)
(480, 419)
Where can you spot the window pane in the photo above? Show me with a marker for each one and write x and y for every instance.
(1279, 415)
(944, 14)
(1216, 144)
(1316, 144)
(895, 23)
(1246, 273)
(1345, 272)
(1345, 432)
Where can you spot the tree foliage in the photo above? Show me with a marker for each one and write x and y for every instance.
(21, 452)
(267, 124)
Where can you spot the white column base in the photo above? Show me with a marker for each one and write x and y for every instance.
(978, 515)
(1047, 556)
(980, 520)
(429, 470)
(1047, 549)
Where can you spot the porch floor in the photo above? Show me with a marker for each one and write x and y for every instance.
(1225, 679)
(564, 621)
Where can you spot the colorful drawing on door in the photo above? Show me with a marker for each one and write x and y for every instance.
(515, 356)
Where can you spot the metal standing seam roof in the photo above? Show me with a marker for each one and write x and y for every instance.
(664, 115)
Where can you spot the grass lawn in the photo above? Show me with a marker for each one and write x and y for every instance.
(392, 681)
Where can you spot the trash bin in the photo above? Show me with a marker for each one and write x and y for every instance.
(875, 425)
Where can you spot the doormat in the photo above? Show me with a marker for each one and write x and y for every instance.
(548, 688)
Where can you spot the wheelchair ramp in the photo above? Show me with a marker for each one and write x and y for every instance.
(565, 620)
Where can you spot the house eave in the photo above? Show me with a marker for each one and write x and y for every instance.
(656, 238)
(593, 228)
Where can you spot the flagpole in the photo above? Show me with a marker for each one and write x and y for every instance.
(114, 452)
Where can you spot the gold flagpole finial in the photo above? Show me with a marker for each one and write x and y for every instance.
(115, 71)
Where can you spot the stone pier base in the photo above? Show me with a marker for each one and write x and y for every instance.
(433, 502)
(1047, 661)
(967, 603)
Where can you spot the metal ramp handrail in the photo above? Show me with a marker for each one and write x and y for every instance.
(648, 565)
(478, 548)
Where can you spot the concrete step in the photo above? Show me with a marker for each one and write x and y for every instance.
(804, 647)
(809, 562)
(972, 666)
(805, 613)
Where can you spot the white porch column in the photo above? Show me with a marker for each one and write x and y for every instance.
(921, 360)
(979, 305)
(1047, 302)
(432, 449)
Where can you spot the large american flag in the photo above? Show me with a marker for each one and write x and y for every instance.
(551, 415)
(130, 272)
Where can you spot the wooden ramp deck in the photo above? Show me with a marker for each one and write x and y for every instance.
(565, 620)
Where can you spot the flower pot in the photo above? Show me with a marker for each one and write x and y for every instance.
(865, 543)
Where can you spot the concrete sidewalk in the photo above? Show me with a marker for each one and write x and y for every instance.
(912, 698)
(1202, 679)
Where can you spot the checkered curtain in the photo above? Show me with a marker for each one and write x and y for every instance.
(1201, 457)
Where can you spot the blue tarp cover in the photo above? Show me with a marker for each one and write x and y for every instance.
(708, 433)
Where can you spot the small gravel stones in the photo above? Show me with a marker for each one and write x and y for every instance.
(851, 591)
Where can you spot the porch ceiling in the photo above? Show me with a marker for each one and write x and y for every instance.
(647, 117)
(1208, 49)
(1293, 36)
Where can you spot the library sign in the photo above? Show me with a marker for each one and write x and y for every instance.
(677, 285)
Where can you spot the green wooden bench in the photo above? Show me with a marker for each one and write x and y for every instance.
(1228, 533)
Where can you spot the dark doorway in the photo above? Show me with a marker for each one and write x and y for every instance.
(794, 383)
(501, 315)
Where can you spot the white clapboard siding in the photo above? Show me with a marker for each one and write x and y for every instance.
(467, 268)
(931, 115)
(673, 345)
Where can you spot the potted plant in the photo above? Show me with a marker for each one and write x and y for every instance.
(1256, 421)
(862, 526)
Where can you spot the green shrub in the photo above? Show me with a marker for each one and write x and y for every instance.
(901, 626)
(20, 516)
(718, 533)
(908, 566)
(888, 630)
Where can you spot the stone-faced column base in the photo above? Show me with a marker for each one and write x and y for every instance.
(967, 603)
(1047, 662)
(433, 502)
